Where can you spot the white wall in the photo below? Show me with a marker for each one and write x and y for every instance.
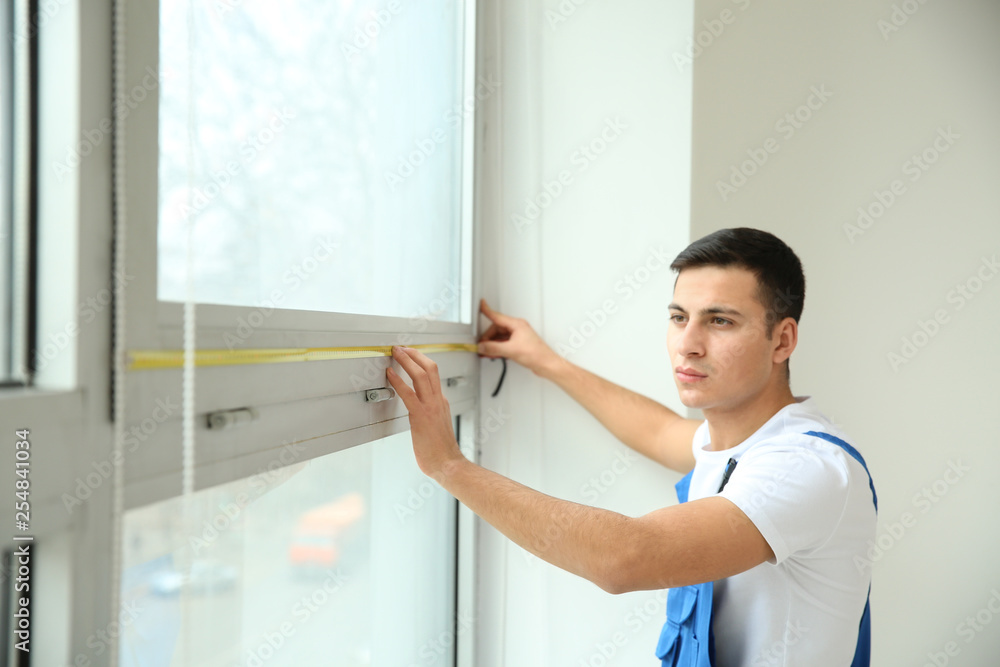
(891, 92)
(608, 67)
(869, 286)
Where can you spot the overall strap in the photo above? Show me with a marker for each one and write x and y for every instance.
(854, 454)
(862, 652)
(686, 638)
(683, 486)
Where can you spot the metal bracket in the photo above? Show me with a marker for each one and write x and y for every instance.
(379, 395)
(230, 418)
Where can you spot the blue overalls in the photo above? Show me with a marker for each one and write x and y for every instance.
(687, 639)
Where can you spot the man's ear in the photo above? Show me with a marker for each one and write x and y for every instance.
(785, 337)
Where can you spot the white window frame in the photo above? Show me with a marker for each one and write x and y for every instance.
(69, 405)
(323, 400)
(65, 403)
(7, 190)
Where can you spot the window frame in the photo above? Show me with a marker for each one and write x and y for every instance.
(18, 20)
(324, 399)
(458, 640)
(328, 408)
(63, 402)
(6, 192)
(69, 404)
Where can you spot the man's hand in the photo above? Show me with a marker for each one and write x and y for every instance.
(514, 339)
(434, 444)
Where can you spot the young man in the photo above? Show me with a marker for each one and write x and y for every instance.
(796, 508)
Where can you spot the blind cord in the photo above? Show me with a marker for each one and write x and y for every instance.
(118, 326)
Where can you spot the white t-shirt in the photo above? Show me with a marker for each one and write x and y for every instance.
(812, 502)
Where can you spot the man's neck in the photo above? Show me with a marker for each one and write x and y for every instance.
(728, 427)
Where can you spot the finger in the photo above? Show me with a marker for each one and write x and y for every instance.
(418, 375)
(488, 349)
(429, 367)
(404, 392)
(411, 368)
(494, 332)
(495, 317)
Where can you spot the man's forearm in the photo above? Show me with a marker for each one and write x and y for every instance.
(690, 543)
(586, 541)
(634, 419)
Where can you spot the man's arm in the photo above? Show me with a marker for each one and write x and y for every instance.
(691, 543)
(694, 542)
(652, 429)
(648, 427)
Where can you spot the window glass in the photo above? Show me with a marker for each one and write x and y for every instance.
(7, 282)
(314, 149)
(347, 560)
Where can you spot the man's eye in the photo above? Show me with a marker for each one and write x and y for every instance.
(721, 319)
(673, 318)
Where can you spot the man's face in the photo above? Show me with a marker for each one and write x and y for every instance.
(717, 332)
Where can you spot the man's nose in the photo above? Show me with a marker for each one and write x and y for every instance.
(689, 340)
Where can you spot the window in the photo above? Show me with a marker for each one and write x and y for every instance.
(302, 174)
(17, 155)
(6, 188)
(314, 151)
(278, 135)
(350, 557)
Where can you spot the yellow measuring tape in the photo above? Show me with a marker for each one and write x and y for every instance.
(140, 360)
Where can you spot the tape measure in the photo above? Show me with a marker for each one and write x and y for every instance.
(140, 360)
